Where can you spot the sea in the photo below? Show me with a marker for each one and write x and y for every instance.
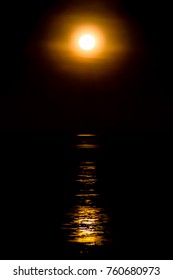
(85, 195)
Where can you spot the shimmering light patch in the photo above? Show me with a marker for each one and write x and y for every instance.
(87, 174)
(87, 181)
(86, 135)
(86, 146)
(91, 194)
(86, 223)
(87, 141)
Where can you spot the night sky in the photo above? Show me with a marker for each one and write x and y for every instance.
(36, 97)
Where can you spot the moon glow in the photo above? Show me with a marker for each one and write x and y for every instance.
(87, 42)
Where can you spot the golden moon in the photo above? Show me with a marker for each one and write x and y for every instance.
(87, 42)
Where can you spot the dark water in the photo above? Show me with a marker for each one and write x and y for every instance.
(100, 197)
(86, 224)
(87, 220)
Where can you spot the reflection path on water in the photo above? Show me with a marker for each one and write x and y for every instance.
(86, 221)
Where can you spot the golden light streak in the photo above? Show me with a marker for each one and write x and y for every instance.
(86, 135)
(88, 222)
(91, 226)
(86, 146)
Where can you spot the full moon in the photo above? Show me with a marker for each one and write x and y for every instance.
(87, 42)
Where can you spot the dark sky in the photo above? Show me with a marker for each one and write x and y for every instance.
(140, 100)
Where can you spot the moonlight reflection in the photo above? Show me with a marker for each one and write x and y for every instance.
(86, 222)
